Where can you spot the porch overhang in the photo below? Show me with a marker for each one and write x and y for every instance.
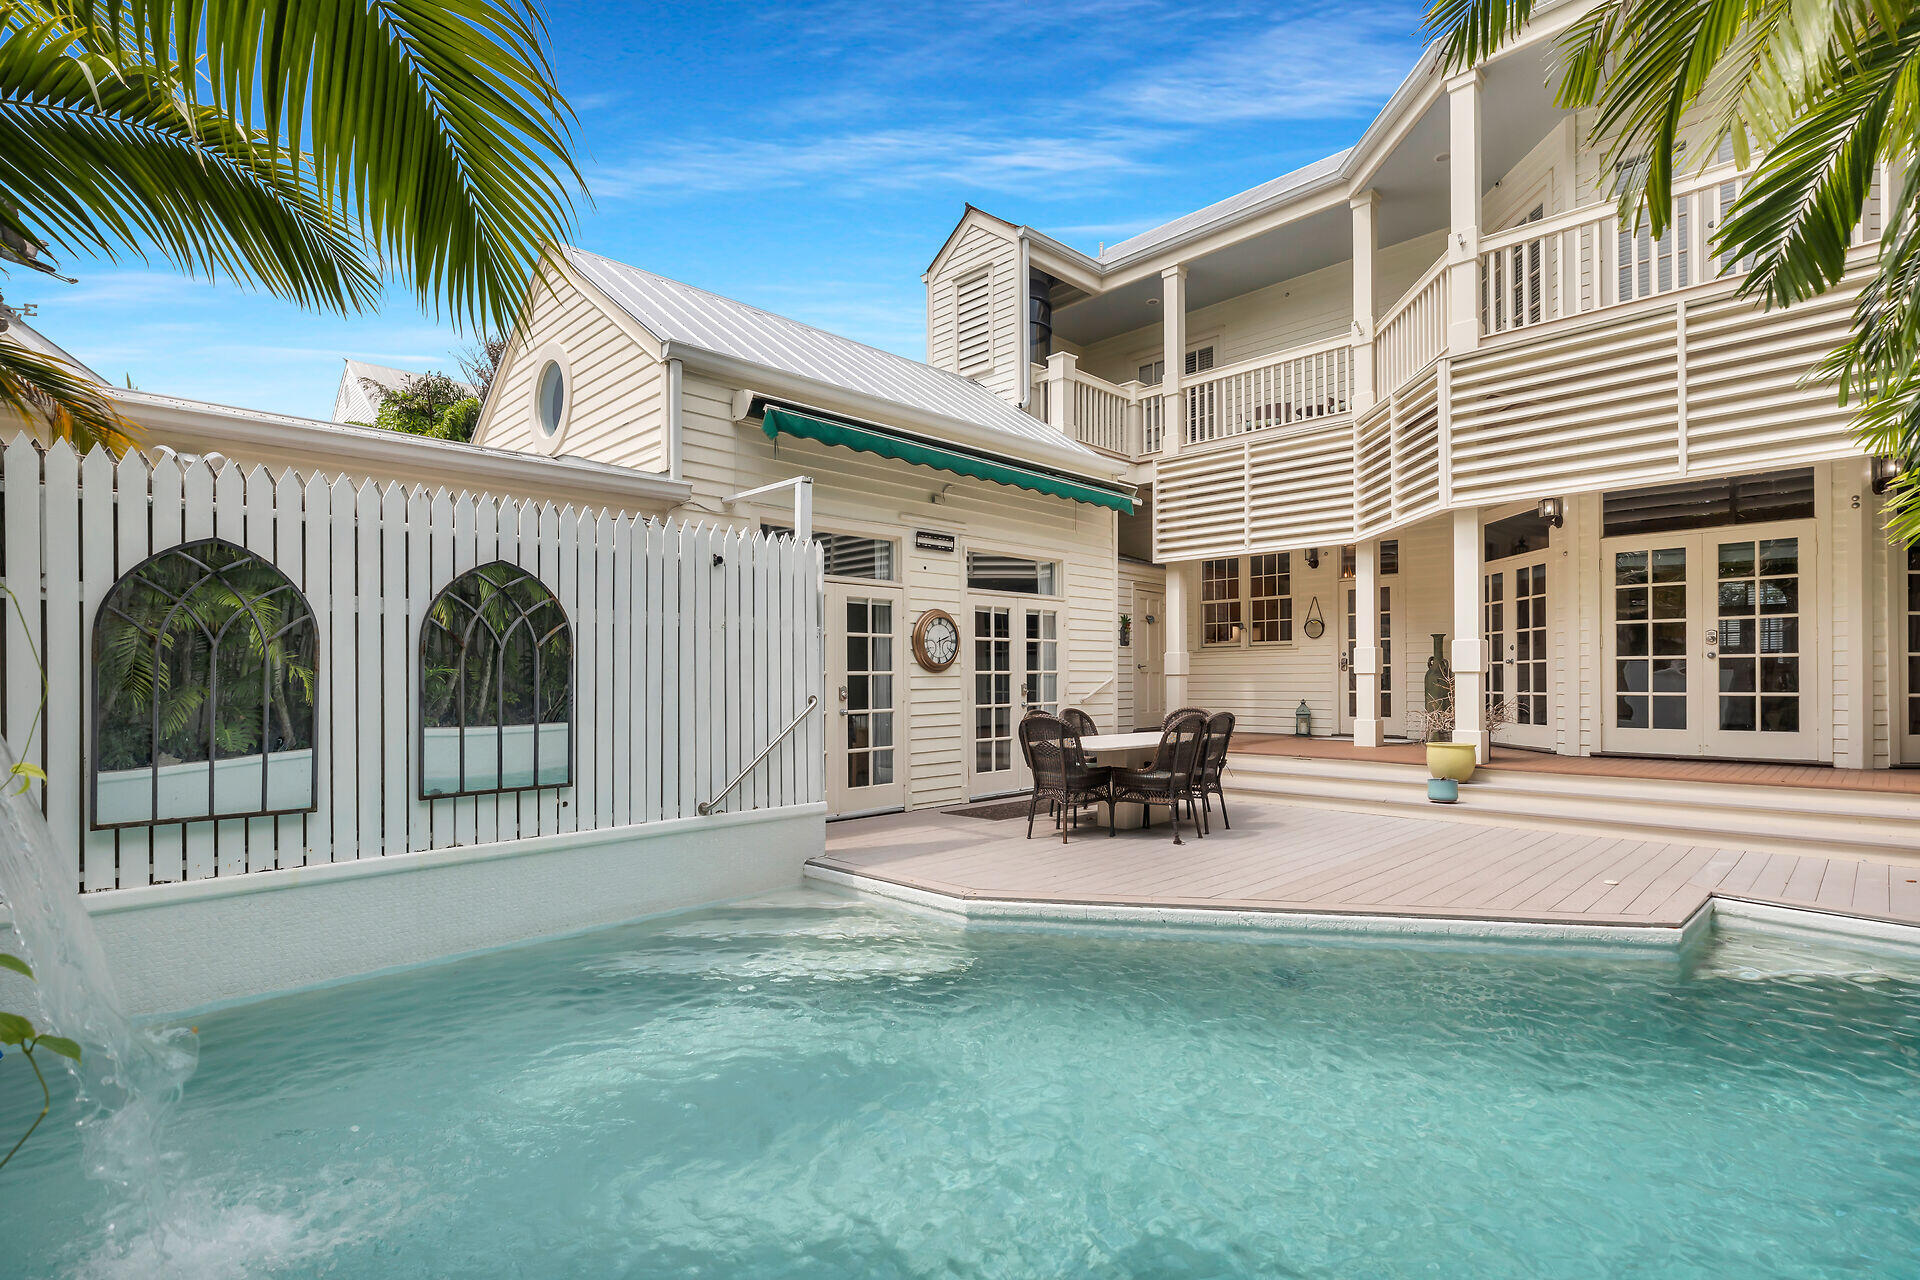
(778, 420)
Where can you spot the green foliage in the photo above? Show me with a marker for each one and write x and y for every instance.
(431, 404)
(215, 645)
(1826, 91)
(17, 1030)
(304, 147)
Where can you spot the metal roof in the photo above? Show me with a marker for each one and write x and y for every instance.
(1225, 210)
(355, 401)
(685, 316)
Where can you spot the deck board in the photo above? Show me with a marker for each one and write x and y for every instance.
(1286, 857)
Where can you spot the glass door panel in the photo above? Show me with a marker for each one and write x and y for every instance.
(1757, 644)
(995, 751)
(1651, 642)
(1043, 660)
(1386, 703)
(863, 765)
(1907, 606)
(1709, 649)
(1519, 649)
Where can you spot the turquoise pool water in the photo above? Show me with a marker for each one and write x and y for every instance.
(812, 1087)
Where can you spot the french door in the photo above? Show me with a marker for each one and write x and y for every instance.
(866, 755)
(1906, 611)
(1016, 665)
(1149, 666)
(1519, 654)
(1710, 649)
(1388, 707)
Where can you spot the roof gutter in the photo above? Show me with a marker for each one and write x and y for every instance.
(810, 392)
(311, 446)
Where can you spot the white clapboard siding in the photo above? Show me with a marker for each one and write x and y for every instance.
(692, 648)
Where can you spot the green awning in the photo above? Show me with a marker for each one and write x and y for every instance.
(777, 422)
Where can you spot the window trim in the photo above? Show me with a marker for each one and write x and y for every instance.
(968, 549)
(420, 707)
(94, 723)
(767, 527)
(1243, 599)
(539, 441)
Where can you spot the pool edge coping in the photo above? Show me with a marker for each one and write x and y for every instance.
(1746, 913)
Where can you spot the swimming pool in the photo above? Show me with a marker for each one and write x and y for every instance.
(813, 1086)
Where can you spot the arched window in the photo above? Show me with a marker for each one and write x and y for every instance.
(204, 678)
(496, 686)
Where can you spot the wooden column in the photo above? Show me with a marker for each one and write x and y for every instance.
(1061, 366)
(1366, 643)
(1469, 639)
(1181, 581)
(1463, 238)
(1365, 239)
(1173, 351)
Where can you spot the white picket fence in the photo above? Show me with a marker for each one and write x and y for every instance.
(693, 647)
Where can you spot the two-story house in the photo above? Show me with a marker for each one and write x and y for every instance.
(1429, 396)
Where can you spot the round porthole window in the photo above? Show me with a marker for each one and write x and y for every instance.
(551, 399)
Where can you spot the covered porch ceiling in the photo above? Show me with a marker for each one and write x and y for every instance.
(1517, 112)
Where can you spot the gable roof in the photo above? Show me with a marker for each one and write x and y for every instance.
(1271, 191)
(680, 315)
(355, 401)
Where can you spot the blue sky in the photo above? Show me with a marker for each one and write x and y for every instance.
(810, 158)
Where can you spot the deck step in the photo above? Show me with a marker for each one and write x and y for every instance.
(1778, 819)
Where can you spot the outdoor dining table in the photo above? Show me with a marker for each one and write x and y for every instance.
(1123, 751)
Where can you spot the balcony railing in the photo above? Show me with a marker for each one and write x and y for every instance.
(1271, 391)
(1413, 333)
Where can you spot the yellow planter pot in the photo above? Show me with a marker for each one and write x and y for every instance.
(1450, 760)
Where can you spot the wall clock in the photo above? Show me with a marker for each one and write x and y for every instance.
(936, 640)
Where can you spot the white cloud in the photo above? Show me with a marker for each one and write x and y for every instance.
(1318, 65)
(878, 159)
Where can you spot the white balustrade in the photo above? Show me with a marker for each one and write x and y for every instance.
(1414, 333)
(1272, 391)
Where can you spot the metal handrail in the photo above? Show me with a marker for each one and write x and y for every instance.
(706, 809)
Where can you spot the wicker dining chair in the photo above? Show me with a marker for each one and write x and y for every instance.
(1175, 714)
(1061, 773)
(1080, 722)
(1213, 763)
(1170, 779)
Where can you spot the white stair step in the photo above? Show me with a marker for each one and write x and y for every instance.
(1773, 819)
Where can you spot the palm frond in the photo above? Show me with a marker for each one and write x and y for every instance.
(102, 157)
(435, 127)
(58, 402)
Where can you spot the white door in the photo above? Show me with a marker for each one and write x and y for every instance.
(1710, 647)
(1519, 661)
(1015, 665)
(1149, 663)
(866, 755)
(1906, 610)
(1392, 723)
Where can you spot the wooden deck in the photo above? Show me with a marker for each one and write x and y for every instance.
(1283, 857)
(1894, 781)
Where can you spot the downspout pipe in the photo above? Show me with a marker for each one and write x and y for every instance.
(675, 428)
(1026, 324)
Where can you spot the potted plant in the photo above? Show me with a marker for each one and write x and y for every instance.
(1449, 762)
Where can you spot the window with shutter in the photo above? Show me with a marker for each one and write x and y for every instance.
(973, 322)
(1199, 360)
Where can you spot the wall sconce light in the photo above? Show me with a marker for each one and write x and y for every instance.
(1553, 511)
(1885, 471)
(1313, 557)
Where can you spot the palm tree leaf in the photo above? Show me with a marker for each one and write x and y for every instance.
(435, 126)
(102, 158)
(57, 401)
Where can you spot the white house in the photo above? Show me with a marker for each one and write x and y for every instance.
(970, 548)
(1430, 392)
